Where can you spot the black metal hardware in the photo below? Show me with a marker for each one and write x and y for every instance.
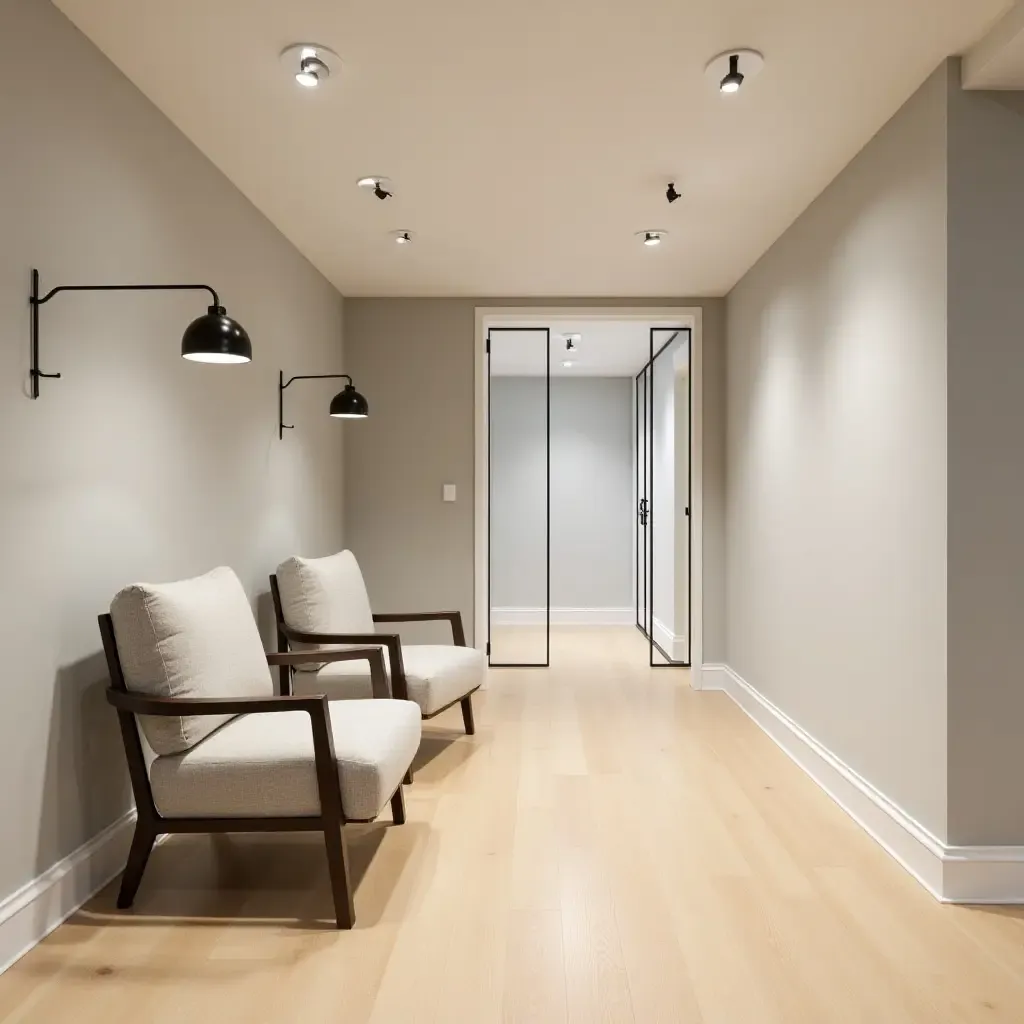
(282, 384)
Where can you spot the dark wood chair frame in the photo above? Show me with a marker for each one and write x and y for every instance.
(151, 824)
(393, 643)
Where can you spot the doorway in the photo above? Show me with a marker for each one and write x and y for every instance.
(587, 431)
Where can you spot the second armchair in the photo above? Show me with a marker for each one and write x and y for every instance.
(323, 601)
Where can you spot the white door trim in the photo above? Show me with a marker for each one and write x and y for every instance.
(539, 316)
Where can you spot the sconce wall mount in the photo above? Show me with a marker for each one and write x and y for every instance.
(348, 404)
(211, 338)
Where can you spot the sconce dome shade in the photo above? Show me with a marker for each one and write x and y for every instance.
(216, 338)
(349, 405)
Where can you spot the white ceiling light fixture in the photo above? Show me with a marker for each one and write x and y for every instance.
(652, 237)
(380, 186)
(309, 64)
(567, 363)
(733, 69)
(402, 237)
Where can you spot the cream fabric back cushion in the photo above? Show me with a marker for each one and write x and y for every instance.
(324, 595)
(194, 638)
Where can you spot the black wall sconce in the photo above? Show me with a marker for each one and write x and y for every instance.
(211, 338)
(345, 405)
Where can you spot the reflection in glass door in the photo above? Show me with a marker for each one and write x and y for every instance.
(519, 497)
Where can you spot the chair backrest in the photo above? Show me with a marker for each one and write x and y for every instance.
(193, 638)
(324, 595)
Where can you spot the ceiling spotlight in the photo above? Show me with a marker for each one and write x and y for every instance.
(671, 194)
(567, 363)
(402, 237)
(311, 71)
(734, 68)
(734, 79)
(310, 65)
(653, 237)
(381, 187)
(570, 342)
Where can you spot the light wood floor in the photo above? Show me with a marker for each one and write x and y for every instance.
(611, 847)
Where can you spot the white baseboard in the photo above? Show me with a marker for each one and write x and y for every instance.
(953, 874)
(564, 616)
(674, 646)
(28, 915)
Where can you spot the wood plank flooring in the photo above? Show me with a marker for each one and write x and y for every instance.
(611, 847)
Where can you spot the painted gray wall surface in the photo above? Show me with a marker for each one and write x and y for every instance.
(986, 472)
(592, 466)
(416, 358)
(136, 465)
(836, 486)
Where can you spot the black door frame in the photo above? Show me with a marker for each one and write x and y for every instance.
(546, 663)
(647, 373)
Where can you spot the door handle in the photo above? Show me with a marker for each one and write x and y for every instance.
(641, 510)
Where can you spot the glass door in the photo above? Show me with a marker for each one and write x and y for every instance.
(642, 501)
(667, 480)
(519, 497)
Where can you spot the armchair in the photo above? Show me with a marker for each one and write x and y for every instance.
(321, 601)
(210, 746)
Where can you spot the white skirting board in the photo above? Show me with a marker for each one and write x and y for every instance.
(28, 915)
(953, 874)
(563, 616)
(674, 646)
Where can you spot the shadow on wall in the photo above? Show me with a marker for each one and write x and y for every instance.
(85, 784)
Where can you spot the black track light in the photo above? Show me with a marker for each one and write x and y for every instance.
(732, 81)
(671, 194)
(380, 192)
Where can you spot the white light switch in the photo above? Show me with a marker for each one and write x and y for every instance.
(449, 492)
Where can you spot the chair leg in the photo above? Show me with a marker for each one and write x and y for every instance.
(138, 856)
(408, 778)
(398, 807)
(337, 864)
(467, 715)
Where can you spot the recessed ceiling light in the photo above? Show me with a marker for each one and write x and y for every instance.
(380, 186)
(734, 68)
(653, 237)
(567, 363)
(309, 64)
(402, 237)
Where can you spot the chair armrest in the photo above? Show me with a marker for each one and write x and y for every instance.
(378, 670)
(139, 704)
(455, 618)
(392, 641)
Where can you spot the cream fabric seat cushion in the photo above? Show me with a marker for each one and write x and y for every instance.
(324, 595)
(436, 676)
(263, 765)
(193, 638)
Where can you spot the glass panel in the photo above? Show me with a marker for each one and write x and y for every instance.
(519, 496)
(669, 485)
(642, 503)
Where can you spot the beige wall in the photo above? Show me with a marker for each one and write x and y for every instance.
(414, 359)
(136, 465)
(986, 472)
(836, 464)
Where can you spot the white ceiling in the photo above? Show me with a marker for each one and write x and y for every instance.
(606, 348)
(997, 62)
(529, 140)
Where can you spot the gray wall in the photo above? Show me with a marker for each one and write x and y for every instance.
(986, 478)
(136, 465)
(416, 358)
(836, 485)
(592, 480)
